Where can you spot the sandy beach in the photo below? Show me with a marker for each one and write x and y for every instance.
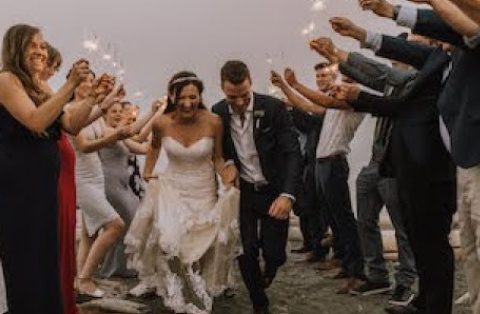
(298, 289)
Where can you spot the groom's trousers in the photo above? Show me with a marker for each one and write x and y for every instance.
(260, 232)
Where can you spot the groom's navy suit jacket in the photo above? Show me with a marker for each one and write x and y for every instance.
(275, 139)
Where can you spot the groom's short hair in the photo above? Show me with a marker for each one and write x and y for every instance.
(234, 71)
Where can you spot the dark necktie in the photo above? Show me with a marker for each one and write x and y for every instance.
(242, 119)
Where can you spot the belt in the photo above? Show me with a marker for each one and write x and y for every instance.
(332, 157)
(256, 187)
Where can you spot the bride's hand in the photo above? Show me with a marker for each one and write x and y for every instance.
(228, 174)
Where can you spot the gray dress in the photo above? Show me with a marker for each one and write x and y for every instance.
(91, 198)
(114, 160)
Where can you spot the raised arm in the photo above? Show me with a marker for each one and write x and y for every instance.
(294, 99)
(88, 142)
(447, 24)
(362, 101)
(384, 46)
(38, 118)
(76, 115)
(147, 129)
(316, 97)
(471, 8)
(447, 15)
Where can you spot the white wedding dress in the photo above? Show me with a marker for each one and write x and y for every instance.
(184, 239)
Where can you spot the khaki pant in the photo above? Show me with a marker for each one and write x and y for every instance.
(469, 218)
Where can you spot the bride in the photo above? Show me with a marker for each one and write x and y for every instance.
(184, 238)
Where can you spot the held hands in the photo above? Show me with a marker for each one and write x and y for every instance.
(79, 72)
(381, 8)
(281, 208)
(229, 174)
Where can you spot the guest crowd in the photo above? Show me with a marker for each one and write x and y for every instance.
(77, 147)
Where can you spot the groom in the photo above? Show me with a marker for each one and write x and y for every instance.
(259, 140)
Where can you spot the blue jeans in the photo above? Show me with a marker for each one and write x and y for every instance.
(332, 186)
(373, 192)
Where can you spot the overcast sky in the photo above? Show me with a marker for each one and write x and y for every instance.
(156, 38)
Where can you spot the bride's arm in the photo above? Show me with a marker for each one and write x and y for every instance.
(227, 172)
(153, 150)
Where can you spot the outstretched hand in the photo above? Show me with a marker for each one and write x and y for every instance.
(325, 47)
(79, 72)
(381, 8)
(114, 96)
(346, 27)
(290, 77)
(277, 80)
(347, 92)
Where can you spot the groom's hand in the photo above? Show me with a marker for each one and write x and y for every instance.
(281, 208)
(229, 174)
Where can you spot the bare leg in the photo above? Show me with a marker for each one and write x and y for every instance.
(104, 241)
(84, 246)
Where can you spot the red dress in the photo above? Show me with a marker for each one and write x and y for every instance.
(67, 223)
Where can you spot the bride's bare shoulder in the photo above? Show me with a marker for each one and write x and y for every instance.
(212, 118)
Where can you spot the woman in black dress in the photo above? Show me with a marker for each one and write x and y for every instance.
(30, 122)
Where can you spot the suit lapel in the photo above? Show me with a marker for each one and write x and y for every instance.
(258, 107)
(227, 119)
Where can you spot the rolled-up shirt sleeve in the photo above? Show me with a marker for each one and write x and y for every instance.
(407, 17)
(373, 41)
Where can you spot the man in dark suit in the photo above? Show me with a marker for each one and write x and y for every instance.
(419, 158)
(458, 105)
(260, 141)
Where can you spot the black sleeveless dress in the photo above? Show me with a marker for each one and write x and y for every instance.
(29, 168)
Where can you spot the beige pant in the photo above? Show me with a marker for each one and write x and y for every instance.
(469, 218)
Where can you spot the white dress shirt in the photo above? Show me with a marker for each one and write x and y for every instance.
(338, 130)
(244, 141)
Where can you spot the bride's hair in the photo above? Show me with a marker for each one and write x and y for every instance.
(177, 83)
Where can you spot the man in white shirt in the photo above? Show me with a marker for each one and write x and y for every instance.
(260, 141)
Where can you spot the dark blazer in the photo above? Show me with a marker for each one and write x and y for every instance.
(275, 139)
(459, 103)
(310, 126)
(416, 145)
